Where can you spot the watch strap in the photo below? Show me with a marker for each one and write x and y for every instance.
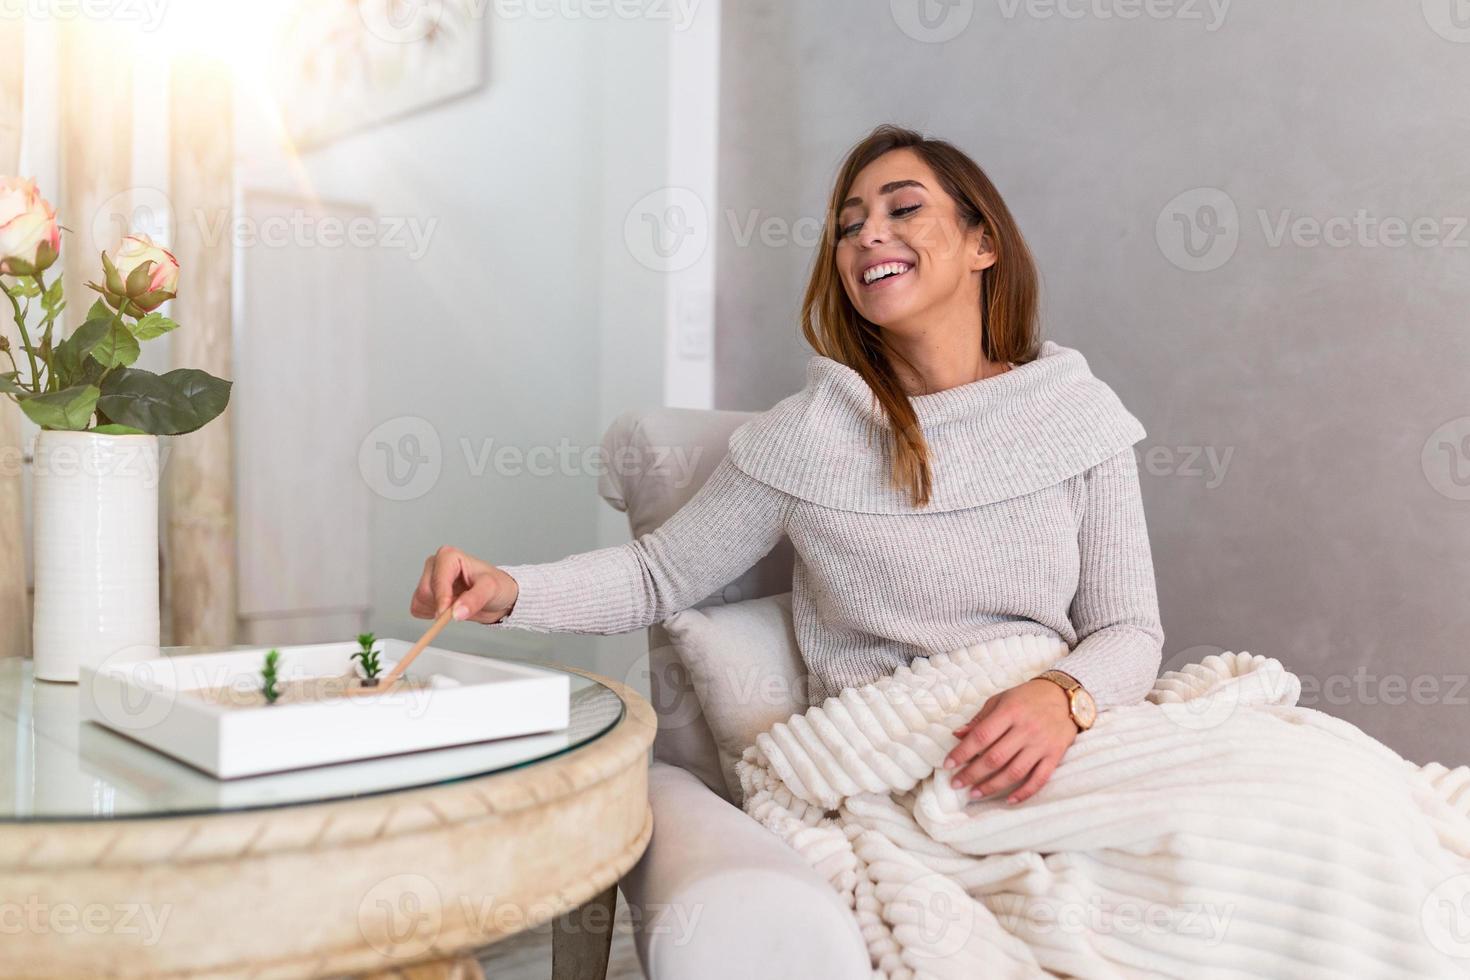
(1071, 686)
(1066, 680)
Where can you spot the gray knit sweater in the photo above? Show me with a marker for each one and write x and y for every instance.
(1035, 525)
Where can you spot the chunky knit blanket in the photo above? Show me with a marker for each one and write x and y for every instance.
(1216, 829)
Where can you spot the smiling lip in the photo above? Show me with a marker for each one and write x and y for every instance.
(886, 280)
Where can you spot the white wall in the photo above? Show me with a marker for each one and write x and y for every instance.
(526, 321)
(516, 311)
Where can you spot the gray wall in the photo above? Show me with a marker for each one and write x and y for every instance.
(1306, 397)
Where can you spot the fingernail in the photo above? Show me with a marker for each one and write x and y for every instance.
(949, 763)
(976, 793)
(460, 612)
(956, 782)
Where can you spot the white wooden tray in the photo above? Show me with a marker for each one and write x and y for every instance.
(473, 699)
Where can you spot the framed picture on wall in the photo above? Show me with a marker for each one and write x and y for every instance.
(342, 65)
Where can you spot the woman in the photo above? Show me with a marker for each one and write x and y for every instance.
(945, 478)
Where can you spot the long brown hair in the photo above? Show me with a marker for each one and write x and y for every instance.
(1008, 293)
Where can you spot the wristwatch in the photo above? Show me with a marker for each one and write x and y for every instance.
(1079, 703)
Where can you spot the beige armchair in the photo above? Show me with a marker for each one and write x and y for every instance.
(716, 895)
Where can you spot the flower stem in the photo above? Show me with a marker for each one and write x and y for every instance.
(45, 329)
(20, 322)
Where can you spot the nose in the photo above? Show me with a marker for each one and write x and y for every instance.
(874, 231)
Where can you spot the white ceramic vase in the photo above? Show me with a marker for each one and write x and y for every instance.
(95, 547)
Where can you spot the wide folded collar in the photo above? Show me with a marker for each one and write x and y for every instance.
(1032, 427)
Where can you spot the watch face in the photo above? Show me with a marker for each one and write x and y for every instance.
(1085, 708)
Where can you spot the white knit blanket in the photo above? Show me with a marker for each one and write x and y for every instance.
(1215, 830)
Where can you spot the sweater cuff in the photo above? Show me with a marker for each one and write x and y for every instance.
(539, 595)
(572, 595)
(1106, 663)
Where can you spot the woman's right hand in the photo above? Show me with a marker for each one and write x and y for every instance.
(480, 591)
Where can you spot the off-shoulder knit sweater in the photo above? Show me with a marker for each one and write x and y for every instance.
(1035, 525)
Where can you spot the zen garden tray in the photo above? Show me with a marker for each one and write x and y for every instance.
(207, 710)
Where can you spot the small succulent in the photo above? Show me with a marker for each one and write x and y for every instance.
(369, 657)
(268, 675)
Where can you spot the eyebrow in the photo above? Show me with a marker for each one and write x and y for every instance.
(887, 188)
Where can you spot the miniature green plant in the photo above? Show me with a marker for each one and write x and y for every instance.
(268, 675)
(369, 657)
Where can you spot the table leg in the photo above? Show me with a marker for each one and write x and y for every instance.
(581, 940)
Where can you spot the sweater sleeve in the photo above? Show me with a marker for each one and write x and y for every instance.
(1116, 608)
(730, 523)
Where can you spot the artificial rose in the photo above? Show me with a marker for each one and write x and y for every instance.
(144, 274)
(30, 238)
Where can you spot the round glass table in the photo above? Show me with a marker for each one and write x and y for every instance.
(59, 768)
(363, 868)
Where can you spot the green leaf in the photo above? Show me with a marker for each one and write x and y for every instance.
(169, 404)
(114, 429)
(9, 385)
(89, 335)
(52, 300)
(24, 289)
(72, 352)
(99, 310)
(153, 325)
(70, 408)
(69, 372)
(117, 348)
(91, 374)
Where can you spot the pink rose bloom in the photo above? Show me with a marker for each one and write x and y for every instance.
(134, 250)
(30, 238)
(162, 281)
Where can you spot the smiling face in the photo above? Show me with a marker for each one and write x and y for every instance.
(906, 257)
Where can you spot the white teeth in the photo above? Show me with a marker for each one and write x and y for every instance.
(879, 271)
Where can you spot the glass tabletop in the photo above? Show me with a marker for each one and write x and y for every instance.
(53, 766)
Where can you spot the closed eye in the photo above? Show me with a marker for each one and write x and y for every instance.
(903, 212)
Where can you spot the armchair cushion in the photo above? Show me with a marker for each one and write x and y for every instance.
(718, 896)
(747, 672)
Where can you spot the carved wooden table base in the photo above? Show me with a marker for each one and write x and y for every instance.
(408, 884)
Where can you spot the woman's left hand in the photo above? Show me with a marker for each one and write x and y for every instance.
(1017, 736)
